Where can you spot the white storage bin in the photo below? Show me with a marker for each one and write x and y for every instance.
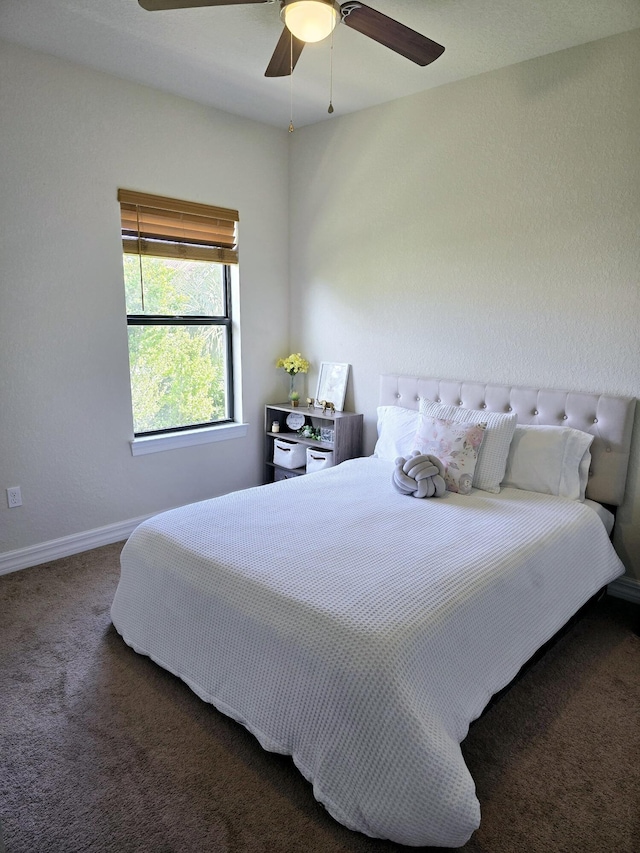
(318, 459)
(288, 454)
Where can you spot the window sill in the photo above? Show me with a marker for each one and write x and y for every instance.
(188, 438)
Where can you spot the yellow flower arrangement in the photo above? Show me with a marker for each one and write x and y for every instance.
(293, 364)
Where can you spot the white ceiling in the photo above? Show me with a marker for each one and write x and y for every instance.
(217, 56)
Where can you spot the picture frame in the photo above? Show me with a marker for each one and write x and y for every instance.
(327, 434)
(332, 383)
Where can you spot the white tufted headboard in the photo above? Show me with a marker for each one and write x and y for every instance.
(609, 419)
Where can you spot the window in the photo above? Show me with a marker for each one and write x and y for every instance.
(177, 274)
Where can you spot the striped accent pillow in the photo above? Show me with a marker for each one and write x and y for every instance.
(494, 451)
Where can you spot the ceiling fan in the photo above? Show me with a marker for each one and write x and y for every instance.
(313, 20)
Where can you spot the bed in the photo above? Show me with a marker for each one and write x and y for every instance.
(360, 630)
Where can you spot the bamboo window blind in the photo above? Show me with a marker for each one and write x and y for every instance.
(170, 228)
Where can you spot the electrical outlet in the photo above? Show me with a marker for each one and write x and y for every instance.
(14, 498)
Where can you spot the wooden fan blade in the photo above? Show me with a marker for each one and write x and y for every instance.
(390, 33)
(159, 5)
(284, 56)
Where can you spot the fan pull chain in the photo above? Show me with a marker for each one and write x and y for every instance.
(330, 110)
(291, 127)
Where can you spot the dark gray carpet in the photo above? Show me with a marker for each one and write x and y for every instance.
(104, 751)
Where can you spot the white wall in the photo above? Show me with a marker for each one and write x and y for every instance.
(69, 137)
(486, 230)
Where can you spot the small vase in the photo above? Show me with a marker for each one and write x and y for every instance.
(294, 396)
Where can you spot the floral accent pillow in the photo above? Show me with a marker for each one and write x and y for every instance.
(456, 445)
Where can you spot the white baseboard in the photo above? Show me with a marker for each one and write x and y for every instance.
(625, 587)
(34, 555)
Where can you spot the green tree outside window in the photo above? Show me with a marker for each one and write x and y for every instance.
(178, 369)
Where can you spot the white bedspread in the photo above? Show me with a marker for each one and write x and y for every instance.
(360, 630)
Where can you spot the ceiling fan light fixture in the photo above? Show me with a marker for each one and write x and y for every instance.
(310, 20)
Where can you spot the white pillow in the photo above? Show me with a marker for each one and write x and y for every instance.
(492, 458)
(396, 432)
(553, 460)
